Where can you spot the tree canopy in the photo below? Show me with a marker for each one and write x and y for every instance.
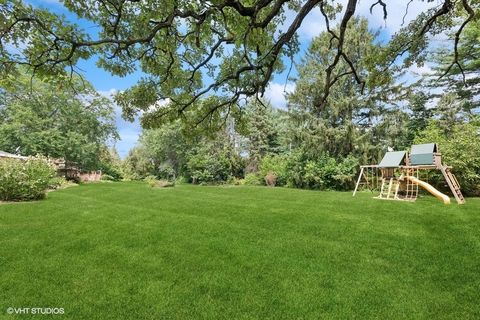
(189, 50)
(55, 120)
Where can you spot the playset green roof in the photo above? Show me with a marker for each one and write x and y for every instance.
(393, 159)
(423, 154)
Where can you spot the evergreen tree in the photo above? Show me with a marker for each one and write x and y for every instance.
(345, 122)
(262, 134)
(419, 115)
(462, 81)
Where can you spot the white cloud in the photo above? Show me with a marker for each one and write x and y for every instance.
(420, 70)
(398, 15)
(108, 93)
(45, 3)
(276, 93)
(157, 105)
(414, 73)
(314, 23)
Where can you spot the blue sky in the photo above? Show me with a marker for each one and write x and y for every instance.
(313, 25)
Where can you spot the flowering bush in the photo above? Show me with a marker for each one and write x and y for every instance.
(25, 180)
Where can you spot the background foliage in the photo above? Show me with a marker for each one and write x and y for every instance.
(317, 141)
(304, 146)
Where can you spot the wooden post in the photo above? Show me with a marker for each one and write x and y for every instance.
(381, 188)
(397, 186)
(358, 181)
(389, 188)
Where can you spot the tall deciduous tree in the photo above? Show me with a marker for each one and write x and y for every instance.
(52, 119)
(419, 116)
(166, 147)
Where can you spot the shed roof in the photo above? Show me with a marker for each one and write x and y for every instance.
(393, 159)
(424, 148)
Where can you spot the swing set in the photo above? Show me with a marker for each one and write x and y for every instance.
(397, 175)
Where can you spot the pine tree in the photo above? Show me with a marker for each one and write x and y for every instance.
(352, 114)
(262, 133)
(462, 83)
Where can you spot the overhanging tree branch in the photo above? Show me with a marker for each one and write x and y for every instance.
(238, 44)
(456, 58)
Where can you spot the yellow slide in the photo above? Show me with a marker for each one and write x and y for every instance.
(429, 188)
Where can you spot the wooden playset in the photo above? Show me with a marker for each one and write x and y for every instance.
(397, 175)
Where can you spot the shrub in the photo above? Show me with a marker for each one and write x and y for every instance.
(107, 177)
(166, 171)
(209, 165)
(318, 174)
(276, 164)
(252, 179)
(57, 183)
(323, 172)
(271, 179)
(345, 174)
(25, 180)
(154, 182)
(151, 180)
(327, 173)
(165, 184)
(238, 182)
(111, 171)
(181, 180)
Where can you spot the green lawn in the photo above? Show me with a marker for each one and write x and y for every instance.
(126, 251)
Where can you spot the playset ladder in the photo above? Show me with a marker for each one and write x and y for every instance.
(453, 184)
(389, 190)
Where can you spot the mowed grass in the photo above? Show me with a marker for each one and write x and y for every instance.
(127, 251)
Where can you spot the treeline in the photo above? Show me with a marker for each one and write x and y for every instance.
(311, 143)
(268, 152)
(319, 145)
